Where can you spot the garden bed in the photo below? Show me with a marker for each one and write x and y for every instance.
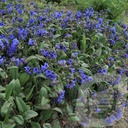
(58, 67)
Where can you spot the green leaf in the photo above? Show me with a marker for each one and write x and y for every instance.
(9, 89)
(43, 92)
(83, 43)
(2, 88)
(99, 51)
(18, 119)
(24, 78)
(69, 109)
(74, 118)
(87, 71)
(30, 58)
(3, 73)
(43, 45)
(29, 114)
(56, 36)
(9, 125)
(14, 72)
(5, 108)
(58, 110)
(17, 87)
(44, 101)
(22, 107)
(47, 125)
(56, 124)
(46, 114)
(30, 93)
(40, 76)
(35, 125)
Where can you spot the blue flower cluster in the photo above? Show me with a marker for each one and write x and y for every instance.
(61, 97)
(55, 38)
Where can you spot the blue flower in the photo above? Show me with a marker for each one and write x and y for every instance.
(31, 42)
(98, 26)
(126, 56)
(61, 97)
(90, 79)
(1, 60)
(98, 110)
(84, 124)
(78, 15)
(44, 67)
(112, 42)
(50, 74)
(64, 48)
(72, 84)
(28, 69)
(19, 11)
(112, 29)
(119, 114)
(19, 19)
(45, 52)
(100, 21)
(1, 24)
(2, 45)
(36, 70)
(3, 1)
(53, 55)
(70, 61)
(111, 59)
(103, 71)
(124, 26)
(57, 46)
(72, 70)
(75, 54)
(62, 62)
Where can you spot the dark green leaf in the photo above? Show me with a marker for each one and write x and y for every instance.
(9, 89)
(3, 74)
(35, 125)
(44, 101)
(2, 88)
(24, 78)
(47, 125)
(58, 110)
(22, 107)
(83, 43)
(56, 36)
(5, 108)
(30, 93)
(14, 72)
(43, 92)
(74, 118)
(17, 87)
(46, 114)
(29, 114)
(18, 119)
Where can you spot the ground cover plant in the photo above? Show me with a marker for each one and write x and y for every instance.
(48, 56)
(116, 8)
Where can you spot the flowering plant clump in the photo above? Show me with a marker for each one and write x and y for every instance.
(47, 56)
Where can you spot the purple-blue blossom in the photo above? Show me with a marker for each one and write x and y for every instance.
(44, 67)
(28, 69)
(31, 42)
(36, 70)
(50, 75)
(62, 62)
(61, 97)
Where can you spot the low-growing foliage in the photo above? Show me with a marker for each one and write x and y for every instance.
(48, 56)
(116, 8)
